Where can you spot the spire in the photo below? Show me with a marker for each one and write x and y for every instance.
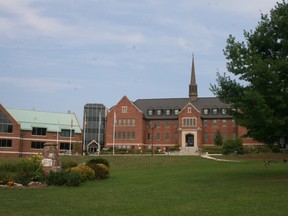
(193, 86)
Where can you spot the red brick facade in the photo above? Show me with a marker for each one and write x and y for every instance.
(22, 143)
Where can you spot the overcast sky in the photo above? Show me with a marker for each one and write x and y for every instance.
(58, 55)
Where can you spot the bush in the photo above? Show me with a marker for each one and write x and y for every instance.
(98, 161)
(64, 178)
(101, 170)
(233, 146)
(212, 149)
(66, 164)
(218, 138)
(85, 172)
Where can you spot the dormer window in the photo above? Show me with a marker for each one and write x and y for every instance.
(215, 111)
(159, 112)
(206, 111)
(223, 111)
(176, 111)
(167, 112)
(150, 112)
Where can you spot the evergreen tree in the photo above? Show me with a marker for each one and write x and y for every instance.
(259, 91)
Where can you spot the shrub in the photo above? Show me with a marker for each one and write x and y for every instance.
(101, 170)
(212, 149)
(98, 161)
(63, 178)
(233, 146)
(85, 172)
(66, 164)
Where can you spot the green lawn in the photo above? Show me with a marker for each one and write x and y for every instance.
(162, 185)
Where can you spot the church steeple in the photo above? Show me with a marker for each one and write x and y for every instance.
(193, 86)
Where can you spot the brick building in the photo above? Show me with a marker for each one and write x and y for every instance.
(188, 123)
(24, 132)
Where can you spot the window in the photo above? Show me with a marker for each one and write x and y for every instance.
(159, 112)
(223, 111)
(5, 124)
(128, 136)
(167, 136)
(67, 133)
(119, 135)
(189, 109)
(132, 135)
(124, 122)
(124, 109)
(189, 122)
(6, 128)
(150, 112)
(224, 123)
(205, 123)
(214, 111)
(149, 136)
(206, 111)
(176, 123)
(158, 124)
(214, 123)
(66, 146)
(158, 136)
(128, 122)
(233, 123)
(39, 131)
(37, 145)
(168, 112)
(124, 135)
(119, 122)
(133, 122)
(5, 143)
(176, 111)
(167, 124)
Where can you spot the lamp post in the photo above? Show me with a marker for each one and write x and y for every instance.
(152, 138)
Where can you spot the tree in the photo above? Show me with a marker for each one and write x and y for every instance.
(218, 138)
(259, 92)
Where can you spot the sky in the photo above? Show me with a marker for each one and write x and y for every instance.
(60, 55)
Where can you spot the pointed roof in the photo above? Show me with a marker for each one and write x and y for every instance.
(193, 86)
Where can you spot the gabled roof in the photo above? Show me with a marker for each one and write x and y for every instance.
(53, 121)
(180, 103)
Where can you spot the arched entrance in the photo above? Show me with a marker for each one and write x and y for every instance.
(93, 147)
(189, 140)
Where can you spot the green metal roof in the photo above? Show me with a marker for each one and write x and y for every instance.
(53, 121)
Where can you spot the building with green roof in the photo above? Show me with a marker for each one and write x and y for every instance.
(24, 132)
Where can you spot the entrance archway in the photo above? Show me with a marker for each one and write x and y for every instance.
(189, 140)
(93, 147)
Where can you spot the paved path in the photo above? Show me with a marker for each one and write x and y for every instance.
(207, 156)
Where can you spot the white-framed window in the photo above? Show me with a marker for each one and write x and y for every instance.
(206, 111)
(189, 122)
(214, 111)
(168, 112)
(223, 111)
(189, 110)
(176, 112)
(224, 123)
(205, 123)
(159, 112)
(150, 112)
(124, 109)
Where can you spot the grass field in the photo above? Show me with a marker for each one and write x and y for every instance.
(162, 185)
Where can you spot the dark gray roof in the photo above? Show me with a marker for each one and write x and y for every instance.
(178, 104)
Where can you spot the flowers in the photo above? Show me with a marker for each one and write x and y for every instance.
(9, 183)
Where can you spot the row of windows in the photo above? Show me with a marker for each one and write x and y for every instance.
(126, 122)
(125, 135)
(189, 122)
(4, 119)
(5, 143)
(214, 111)
(6, 128)
(43, 131)
(215, 123)
(158, 136)
(40, 145)
(160, 112)
(224, 136)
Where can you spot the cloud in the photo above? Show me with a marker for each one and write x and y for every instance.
(39, 84)
(23, 19)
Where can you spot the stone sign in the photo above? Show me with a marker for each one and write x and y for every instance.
(51, 161)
